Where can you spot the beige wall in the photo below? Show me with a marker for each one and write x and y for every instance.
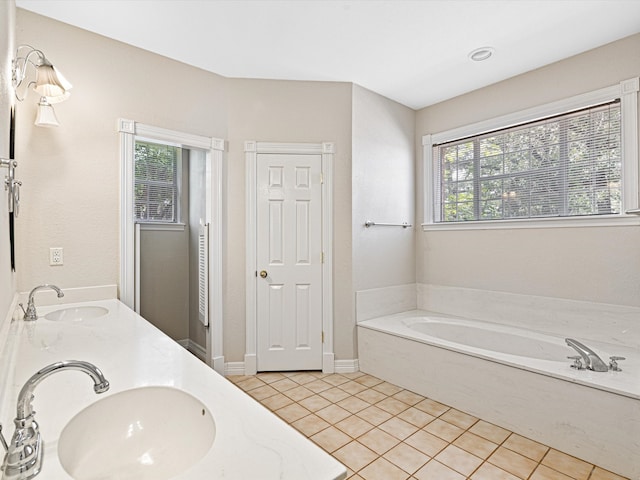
(281, 111)
(596, 264)
(383, 191)
(71, 173)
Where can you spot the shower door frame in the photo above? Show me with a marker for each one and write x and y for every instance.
(214, 152)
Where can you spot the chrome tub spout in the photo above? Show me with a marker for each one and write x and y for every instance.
(591, 360)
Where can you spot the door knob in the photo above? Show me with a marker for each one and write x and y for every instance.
(263, 274)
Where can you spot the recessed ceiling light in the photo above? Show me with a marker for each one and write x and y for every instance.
(480, 54)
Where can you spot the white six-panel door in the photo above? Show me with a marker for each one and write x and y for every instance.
(289, 262)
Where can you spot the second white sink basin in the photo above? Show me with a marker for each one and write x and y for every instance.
(145, 433)
(76, 314)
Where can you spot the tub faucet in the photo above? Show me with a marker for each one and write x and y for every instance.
(591, 360)
(23, 459)
(30, 313)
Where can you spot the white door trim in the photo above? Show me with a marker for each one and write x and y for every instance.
(252, 149)
(214, 149)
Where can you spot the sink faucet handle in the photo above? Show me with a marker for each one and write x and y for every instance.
(613, 363)
(577, 362)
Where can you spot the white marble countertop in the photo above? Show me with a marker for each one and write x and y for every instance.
(251, 442)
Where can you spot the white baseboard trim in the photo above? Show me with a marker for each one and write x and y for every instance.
(234, 368)
(346, 366)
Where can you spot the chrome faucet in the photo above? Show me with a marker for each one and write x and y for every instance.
(30, 313)
(23, 459)
(591, 360)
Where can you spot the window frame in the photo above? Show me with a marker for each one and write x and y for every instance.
(626, 91)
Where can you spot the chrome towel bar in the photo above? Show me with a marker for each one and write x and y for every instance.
(369, 223)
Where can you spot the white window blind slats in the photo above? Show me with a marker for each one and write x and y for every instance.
(567, 165)
(156, 182)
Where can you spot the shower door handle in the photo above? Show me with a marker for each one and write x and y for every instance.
(264, 274)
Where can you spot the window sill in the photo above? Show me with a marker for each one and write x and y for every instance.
(564, 222)
(164, 227)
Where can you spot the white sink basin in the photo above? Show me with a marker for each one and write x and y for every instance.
(76, 314)
(151, 433)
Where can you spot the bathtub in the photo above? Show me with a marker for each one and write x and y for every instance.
(515, 378)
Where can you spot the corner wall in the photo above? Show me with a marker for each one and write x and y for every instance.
(598, 264)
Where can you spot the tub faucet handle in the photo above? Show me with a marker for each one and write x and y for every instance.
(613, 363)
(577, 362)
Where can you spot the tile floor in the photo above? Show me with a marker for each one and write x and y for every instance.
(383, 432)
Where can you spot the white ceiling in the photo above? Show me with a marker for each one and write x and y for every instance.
(412, 51)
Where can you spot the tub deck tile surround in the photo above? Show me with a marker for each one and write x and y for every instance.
(386, 432)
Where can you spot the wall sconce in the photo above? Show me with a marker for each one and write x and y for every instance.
(49, 83)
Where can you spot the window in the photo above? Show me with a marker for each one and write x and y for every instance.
(565, 160)
(156, 182)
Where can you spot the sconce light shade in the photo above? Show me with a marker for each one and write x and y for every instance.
(50, 82)
(46, 116)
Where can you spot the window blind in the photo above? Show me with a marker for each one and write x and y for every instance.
(560, 166)
(156, 182)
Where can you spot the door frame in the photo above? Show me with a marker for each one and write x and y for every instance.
(214, 156)
(252, 149)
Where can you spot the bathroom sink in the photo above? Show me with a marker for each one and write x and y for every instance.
(76, 314)
(144, 433)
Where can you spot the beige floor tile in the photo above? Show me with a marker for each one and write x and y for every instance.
(299, 393)
(354, 477)
(546, 473)
(353, 404)
(427, 443)
(374, 415)
(354, 426)
(513, 462)
(353, 375)
(398, 428)
(335, 380)
(310, 425)
(444, 430)
(236, 378)
(263, 392)
(276, 401)
(490, 431)
(284, 385)
(601, 474)
(371, 396)
(408, 397)
(303, 378)
(524, 446)
(431, 407)
(406, 457)
(436, 471)
(334, 394)
(331, 439)
(387, 388)
(480, 447)
(292, 412)
(378, 441)
(416, 417)
(491, 472)
(458, 418)
(250, 383)
(314, 403)
(567, 464)
(352, 387)
(458, 460)
(355, 456)
(333, 414)
(270, 377)
(318, 386)
(393, 406)
(382, 469)
(368, 380)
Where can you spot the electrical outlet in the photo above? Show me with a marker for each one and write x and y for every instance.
(55, 256)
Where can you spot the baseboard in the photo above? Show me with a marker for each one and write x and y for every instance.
(346, 366)
(198, 350)
(234, 368)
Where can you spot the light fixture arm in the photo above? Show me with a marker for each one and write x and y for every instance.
(21, 64)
